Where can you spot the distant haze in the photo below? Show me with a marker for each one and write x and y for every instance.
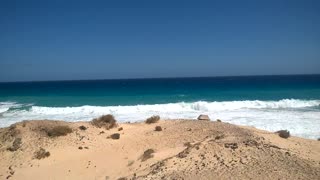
(70, 40)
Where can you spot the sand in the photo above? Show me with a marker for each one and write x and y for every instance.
(184, 149)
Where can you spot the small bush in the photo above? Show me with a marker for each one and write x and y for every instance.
(106, 121)
(158, 128)
(15, 145)
(58, 131)
(83, 128)
(153, 119)
(220, 136)
(115, 136)
(147, 154)
(42, 153)
(120, 129)
(218, 120)
(284, 133)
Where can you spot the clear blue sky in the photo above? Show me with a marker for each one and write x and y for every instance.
(60, 40)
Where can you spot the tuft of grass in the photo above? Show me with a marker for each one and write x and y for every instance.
(158, 128)
(284, 133)
(106, 121)
(147, 154)
(153, 119)
(42, 153)
(58, 131)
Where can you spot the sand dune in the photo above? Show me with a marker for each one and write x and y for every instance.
(184, 149)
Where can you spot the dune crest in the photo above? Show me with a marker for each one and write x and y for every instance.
(184, 149)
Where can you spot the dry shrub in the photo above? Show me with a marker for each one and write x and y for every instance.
(147, 154)
(58, 131)
(9, 134)
(187, 144)
(284, 133)
(220, 136)
(83, 128)
(115, 136)
(106, 121)
(15, 145)
(233, 146)
(42, 153)
(122, 178)
(158, 128)
(153, 119)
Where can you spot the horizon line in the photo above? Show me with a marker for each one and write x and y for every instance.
(179, 77)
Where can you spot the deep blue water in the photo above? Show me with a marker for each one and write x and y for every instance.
(160, 91)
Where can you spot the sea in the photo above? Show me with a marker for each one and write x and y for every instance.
(266, 102)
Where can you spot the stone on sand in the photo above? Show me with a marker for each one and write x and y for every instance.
(204, 117)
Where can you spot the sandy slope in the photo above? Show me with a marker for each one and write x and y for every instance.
(185, 149)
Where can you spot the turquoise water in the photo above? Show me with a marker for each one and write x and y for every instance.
(159, 91)
(267, 102)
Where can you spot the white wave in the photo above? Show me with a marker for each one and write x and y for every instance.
(3, 110)
(175, 107)
(288, 114)
(5, 106)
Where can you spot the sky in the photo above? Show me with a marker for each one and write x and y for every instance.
(72, 40)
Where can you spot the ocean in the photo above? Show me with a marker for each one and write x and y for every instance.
(267, 102)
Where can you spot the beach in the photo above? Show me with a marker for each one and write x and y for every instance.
(179, 149)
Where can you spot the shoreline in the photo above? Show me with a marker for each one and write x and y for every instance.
(183, 149)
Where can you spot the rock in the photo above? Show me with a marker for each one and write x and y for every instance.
(120, 129)
(158, 128)
(204, 117)
(284, 133)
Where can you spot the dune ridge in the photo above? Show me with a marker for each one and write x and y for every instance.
(183, 149)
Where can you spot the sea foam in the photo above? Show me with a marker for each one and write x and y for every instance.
(301, 117)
